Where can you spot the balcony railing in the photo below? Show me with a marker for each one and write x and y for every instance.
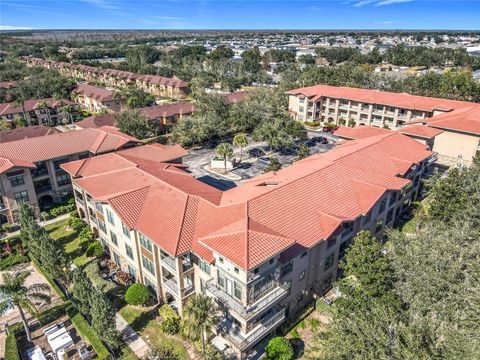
(247, 311)
(42, 189)
(243, 341)
(169, 261)
(171, 285)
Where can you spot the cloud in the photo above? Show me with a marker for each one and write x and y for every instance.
(391, 2)
(9, 27)
(378, 2)
(108, 5)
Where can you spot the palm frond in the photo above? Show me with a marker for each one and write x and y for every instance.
(40, 297)
(29, 306)
(5, 305)
(38, 288)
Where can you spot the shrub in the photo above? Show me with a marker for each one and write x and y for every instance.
(13, 260)
(312, 123)
(85, 235)
(279, 348)
(76, 223)
(170, 320)
(95, 249)
(294, 334)
(45, 215)
(11, 348)
(137, 294)
(7, 227)
(52, 314)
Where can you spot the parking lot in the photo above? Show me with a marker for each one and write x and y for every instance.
(198, 161)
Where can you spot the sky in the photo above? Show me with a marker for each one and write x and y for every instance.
(239, 14)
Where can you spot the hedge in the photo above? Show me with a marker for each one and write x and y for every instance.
(52, 314)
(85, 331)
(13, 260)
(11, 348)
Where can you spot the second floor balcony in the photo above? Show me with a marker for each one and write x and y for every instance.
(271, 297)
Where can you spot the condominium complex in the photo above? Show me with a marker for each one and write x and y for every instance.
(30, 168)
(262, 250)
(26, 132)
(459, 121)
(163, 117)
(96, 99)
(157, 85)
(39, 111)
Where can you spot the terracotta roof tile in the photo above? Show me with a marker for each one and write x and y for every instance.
(420, 131)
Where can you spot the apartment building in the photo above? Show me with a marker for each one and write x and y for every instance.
(96, 99)
(262, 250)
(163, 117)
(39, 111)
(30, 168)
(459, 121)
(157, 85)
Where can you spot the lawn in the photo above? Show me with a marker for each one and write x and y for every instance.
(410, 226)
(70, 241)
(145, 323)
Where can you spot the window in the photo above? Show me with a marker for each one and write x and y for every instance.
(148, 264)
(389, 216)
(301, 109)
(221, 260)
(63, 180)
(304, 254)
(329, 261)
(116, 258)
(204, 266)
(289, 287)
(16, 180)
(367, 218)
(110, 217)
(383, 205)
(203, 285)
(236, 270)
(256, 270)
(221, 279)
(284, 270)
(102, 226)
(146, 243)
(99, 207)
(301, 276)
(393, 198)
(21, 196)
(331, 242)
(148, 283)
(237, 290)
(272, 260)
(126, 232)
(113, 236)
(129, 251)
(131, 271)
(57, 163)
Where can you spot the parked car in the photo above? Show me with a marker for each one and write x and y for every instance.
(264, 161)
(288, 150)
(329, 129)
(256, 152)
(319, 140)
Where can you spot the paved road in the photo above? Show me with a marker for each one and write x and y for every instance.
(198, 159)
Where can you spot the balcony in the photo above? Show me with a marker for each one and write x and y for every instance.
(42, 189)
(39, 172)
(169, 261)
(233, 333)
(247, 311)
(171, 285)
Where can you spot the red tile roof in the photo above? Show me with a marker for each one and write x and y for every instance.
(25, 133)
(152, 113)
(359, 132)
(29, 105)
(236, 96)
(61, 144)
(160, 80)
(422, 131)
(464, 120)
(95, 92)
(402, 100)
(296, 206)
(7, 84)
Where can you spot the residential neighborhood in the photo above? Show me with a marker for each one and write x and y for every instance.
(288, 194)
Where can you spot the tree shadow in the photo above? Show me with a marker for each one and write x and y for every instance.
(142, 321)
(298, 347)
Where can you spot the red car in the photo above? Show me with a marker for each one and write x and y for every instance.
(329, 129)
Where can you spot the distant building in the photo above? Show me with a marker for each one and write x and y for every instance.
(39, 111)
(96, 99)
(26, 133)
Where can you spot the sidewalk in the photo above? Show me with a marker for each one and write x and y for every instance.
(135, 342)
(42, 223)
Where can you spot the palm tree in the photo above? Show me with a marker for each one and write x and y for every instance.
(68, 109)
(224, 150)
(199, 317)
(14, 293)
(241, 141)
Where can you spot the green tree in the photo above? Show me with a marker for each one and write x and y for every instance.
(224, 150)
(274, 165)
(19, 121)
(241, 141)
(303, 152)
(252, 60)
(279, 348)
(103, 318)
(199, 318)
(82, 291)
(135, 124)
(137, 294)
(15, 294)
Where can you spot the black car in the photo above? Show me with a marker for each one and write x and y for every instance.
(256, 152)
(288, 150)
(317, 140)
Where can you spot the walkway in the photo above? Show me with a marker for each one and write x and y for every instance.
(134, 341)
(42, 223)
